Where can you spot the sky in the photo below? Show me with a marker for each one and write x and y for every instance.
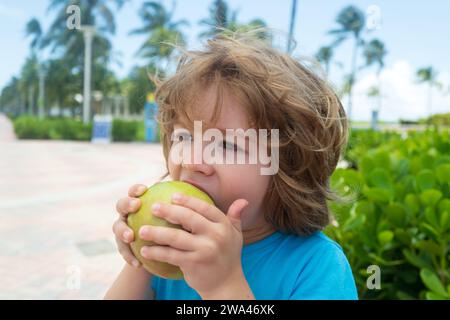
(416, 34)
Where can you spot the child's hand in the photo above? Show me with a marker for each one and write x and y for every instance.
(209, 252)
(124, 234)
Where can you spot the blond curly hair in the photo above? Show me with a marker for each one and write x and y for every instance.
(277, 91)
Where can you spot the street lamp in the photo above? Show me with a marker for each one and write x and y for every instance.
(41, 74)
(291, 26)
(88, 33)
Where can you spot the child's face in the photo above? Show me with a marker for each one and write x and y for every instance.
(225, 183)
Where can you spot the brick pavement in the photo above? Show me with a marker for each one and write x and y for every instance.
(57, 206)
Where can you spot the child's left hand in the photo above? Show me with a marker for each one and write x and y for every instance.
(210, 254)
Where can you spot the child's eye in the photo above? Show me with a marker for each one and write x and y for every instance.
(183, 136)
(229, 145)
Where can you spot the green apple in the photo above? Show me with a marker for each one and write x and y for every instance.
(160, 192)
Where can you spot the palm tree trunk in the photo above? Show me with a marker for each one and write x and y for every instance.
(291, 26)
(380, 98)
(327, 68)
(30, 100)
(41, 100)
(429, 104)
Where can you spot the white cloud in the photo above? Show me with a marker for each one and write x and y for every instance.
(403, 97)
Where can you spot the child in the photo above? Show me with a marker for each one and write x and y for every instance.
(262, 239)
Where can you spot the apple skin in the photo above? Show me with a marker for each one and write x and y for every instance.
(159, 192)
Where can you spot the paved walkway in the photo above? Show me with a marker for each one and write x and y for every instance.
(57, 206)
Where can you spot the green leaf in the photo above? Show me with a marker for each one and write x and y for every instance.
(434, 296)
(379, 178)
(385, 237)
(430, 197)
(382, 159)
(432, 282)
(415, 165)
(430, 216)
(429, 246)
(414, 259)
(403, 236)
(378, 194)
(444, 205)
(427, 161)
(352, 178)
(443, 173)
(404, 296)
(430, 230)
(425, 180)
(444, 221)
(396, 214)
(413, 203)
(363, 207)
(366, 165)
(402, 167)
(354, 223)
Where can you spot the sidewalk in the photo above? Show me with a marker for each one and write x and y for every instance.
(6, 129)
(57, 206)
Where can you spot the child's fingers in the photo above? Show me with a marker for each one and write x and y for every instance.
(176, 238)
(128, 205)
(137, 190)
(126, 253)
(123, 232)
(207, 210)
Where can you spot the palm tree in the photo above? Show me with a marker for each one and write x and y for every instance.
(374, 53)
(351, 22)
(136, 85)
(324, 56)
(11, 96)
(33, 29)
(161, 31)
(222, 20)
(428, 75)
(69, 43)
(28, 82)
(219, 18)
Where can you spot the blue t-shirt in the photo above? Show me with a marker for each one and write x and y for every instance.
(283, 266)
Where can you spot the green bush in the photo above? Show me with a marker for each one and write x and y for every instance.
(67, 129)
(27, 127)
(440, 119)
(396, 213)
(123, 130)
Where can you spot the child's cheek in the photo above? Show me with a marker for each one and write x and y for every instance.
(174, 170)
(244, 181)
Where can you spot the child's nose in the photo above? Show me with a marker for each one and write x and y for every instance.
(203, 168)
(194, 161)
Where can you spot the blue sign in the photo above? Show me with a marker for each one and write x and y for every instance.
(151, 124)
(374, 120)
(101, 129)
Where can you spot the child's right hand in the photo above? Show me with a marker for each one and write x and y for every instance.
(124, 234)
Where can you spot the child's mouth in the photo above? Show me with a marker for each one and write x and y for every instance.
(199, 187)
